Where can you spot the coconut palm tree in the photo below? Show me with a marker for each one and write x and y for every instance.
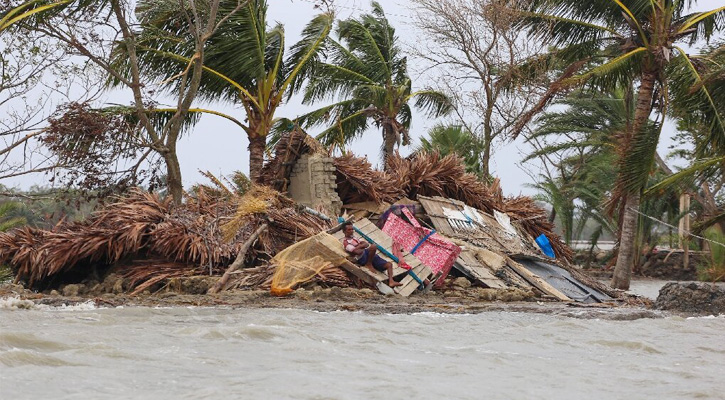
(615, 43)
(245, 64)
(27, 10)
(576, 142)
(455, 139)
(367, 73)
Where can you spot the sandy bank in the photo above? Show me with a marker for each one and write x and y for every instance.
(469, 301)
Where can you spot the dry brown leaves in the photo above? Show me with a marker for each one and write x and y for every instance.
(143, 226)
(290, 146)
(357, 181)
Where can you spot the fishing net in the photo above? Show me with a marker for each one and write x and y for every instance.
(304, 260)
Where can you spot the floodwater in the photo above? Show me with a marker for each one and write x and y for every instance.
(83, 352)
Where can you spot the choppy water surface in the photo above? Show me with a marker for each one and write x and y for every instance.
(145, 353)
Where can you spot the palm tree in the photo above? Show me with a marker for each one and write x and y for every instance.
(455, 139)
(28, 9)
(245, 64)
(615, 43)
(576, 142)
(368, 74)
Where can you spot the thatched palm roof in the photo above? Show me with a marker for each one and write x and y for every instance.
(289, 148)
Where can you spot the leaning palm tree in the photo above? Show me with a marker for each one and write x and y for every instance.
(615, 43)
(245, 64)
(368, 75)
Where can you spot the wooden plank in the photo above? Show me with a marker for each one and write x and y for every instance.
(536, 281)
(382, 239)
(408, 283)
(471, 267)
(369, 206)
(423, 273)
(363, 275)
(491, 235)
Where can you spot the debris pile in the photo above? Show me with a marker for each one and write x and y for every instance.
(148, 239)
(263, 239)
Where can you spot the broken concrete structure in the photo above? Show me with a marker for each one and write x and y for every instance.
(312, 183)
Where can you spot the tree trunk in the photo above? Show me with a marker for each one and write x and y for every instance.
(256, 158)
(389, 140)
(238, 262)
(628, 235)
(625, 257)
(173, 176)
(486, 156)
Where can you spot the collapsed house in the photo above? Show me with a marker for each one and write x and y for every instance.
(427, 215)
(471, 226)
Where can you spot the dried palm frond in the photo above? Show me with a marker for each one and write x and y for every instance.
(429, 174)
(332, 276)
(146, 274)
(288, 150)
(358, 182)
(141, 225)
(258, 200)
(254, 278)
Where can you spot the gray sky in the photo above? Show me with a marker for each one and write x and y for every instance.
(219, 146)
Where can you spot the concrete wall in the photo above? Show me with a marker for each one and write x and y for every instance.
(312, 183)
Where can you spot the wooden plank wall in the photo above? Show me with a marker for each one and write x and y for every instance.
(383, 240)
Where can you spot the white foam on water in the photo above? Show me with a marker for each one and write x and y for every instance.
(86, 306)
(15, 303)
(719, 316)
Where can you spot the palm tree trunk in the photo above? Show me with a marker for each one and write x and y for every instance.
(625, 257)
(628, 233)
(173, 176)
(256, 157)
(486, 156)
(389, 140)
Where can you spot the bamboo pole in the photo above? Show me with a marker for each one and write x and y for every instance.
(238, 262)
(686, 238)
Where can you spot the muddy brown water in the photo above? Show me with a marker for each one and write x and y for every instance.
(86, 352)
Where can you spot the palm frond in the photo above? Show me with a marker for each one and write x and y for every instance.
(616, 73)
(306, 54)
(686, 176)
(693, 97)
(433, 103)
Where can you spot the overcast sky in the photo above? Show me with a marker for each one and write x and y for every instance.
(220, 147)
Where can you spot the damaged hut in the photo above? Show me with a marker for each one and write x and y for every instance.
(470, 226)
(426, 215)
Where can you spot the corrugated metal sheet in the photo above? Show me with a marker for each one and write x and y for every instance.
(562, 280)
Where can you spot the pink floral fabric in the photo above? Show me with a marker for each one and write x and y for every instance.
(435, 252)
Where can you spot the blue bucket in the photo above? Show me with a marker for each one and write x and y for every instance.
(545, 245)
